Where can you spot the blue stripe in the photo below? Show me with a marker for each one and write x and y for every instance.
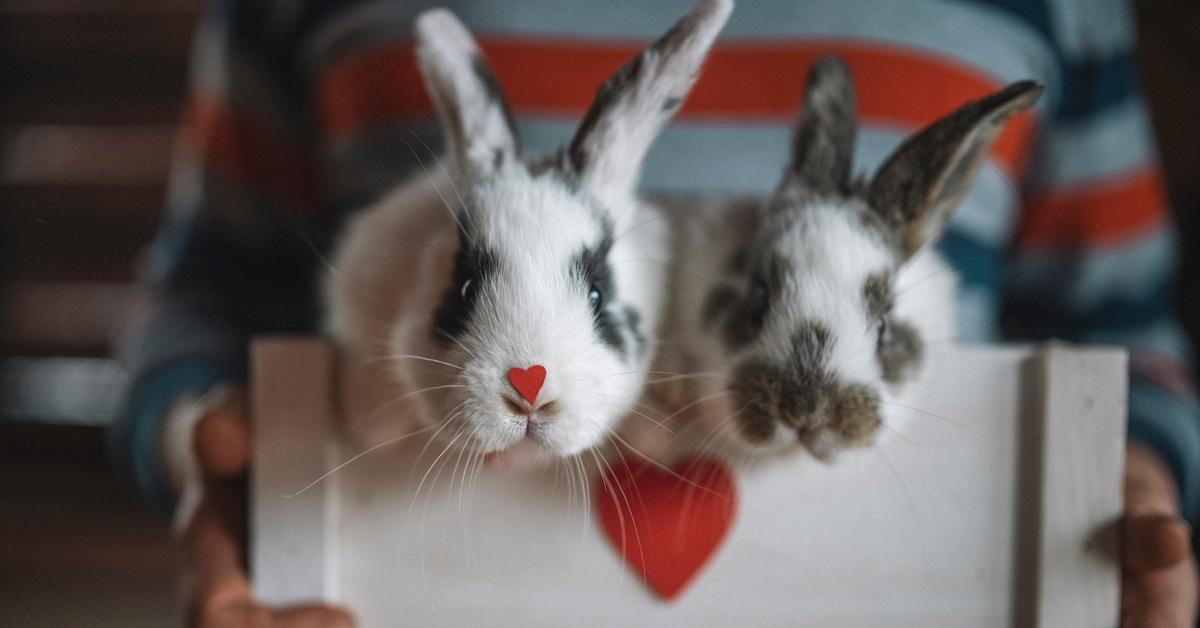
(136, 440)
(978, 265)
(1035, 13)
(1034, 318)
(1094, 86)
(259, 26)
(1088, 86)
(195, 249)
(1171, 427)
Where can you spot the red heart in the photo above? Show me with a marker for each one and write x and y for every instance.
(528, 382)
(667, 526)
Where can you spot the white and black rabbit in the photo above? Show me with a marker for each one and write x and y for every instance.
(799, 318)
(471, 286)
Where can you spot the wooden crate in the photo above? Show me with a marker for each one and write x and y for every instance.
(989, 509)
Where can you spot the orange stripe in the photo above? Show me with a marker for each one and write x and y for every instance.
(236, 147)
(743, 81)
(1103, 212)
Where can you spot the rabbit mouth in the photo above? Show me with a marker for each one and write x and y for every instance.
(526, 453)
(810, 409)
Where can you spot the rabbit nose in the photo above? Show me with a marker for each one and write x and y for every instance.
(808, 426)
(528, 381)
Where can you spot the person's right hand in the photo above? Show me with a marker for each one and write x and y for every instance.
(217, 588)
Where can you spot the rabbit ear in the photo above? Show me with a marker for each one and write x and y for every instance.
(475, 116)
(634, 105)
(920, 185)
(823, 146)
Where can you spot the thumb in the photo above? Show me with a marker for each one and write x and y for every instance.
(1152, 542)
(222, 439)
(312, 616)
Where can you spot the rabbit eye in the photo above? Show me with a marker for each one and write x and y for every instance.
(465, 290)
(595, 297)
(761, 298)
(881, 326)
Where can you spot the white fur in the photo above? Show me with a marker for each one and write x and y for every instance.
(381, 302)
(475, 124)
(637, 115)
(832, 254)
(394, 265)
(830, 242)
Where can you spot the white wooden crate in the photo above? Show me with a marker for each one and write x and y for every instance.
(987, 511)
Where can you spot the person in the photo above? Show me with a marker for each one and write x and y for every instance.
(301, 112)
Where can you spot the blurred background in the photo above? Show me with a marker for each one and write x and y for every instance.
(90, 92)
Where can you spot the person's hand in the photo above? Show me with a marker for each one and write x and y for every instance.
(217, 589)
(1159, 579)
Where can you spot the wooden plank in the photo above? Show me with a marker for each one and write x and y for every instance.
(293, 557)
(49, 231)
(112, 156)
(920, 529)
(93, 67)
(80, 391)
(100, 7)
(1073, 452)
(66, 318)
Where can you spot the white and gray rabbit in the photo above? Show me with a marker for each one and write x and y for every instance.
(469, 287)
(797, 320)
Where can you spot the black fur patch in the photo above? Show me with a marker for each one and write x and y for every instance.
(495, 94)
(756, 389)
(823, 145)
(719, 301)
(747, 314)
(591, 267)
(810, 345)
(852, 414)
(578, 152)
(633, 321)
(619, 85)
(738, 260)
(877, 294)
(900, 351)
(787, 392)
(899, 347)
(803, 396)
(475, 263)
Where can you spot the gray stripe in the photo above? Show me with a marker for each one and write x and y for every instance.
(1115, 140)
(990, 41)
(977, 311)
(689, 158)
(1092, 29)
(1084, 280)
(84, 391)
(1163, 336)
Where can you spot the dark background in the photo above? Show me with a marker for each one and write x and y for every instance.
(90, 91)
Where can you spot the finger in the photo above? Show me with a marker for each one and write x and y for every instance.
(312, 616)
(1154, 542)
(216, 580)
(222, 441)
(251, 615)
(1160, 599)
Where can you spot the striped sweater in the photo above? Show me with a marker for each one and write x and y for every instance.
(300, 112)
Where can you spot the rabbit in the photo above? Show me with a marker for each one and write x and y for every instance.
(800, 318)
(513, 304)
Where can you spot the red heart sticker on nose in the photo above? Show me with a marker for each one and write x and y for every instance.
(528, 381)
(667, 526)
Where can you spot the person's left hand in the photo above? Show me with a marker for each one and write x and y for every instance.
(1159, 576)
